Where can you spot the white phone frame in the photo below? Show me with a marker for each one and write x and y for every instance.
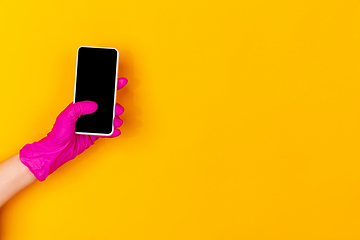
(115, 90)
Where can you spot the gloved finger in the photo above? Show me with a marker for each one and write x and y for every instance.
(119, 109)
(82, 108)
(116, 133)
(121, 82)
(94, 137)
(117, 122)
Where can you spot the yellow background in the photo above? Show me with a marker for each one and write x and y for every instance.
(242, 119)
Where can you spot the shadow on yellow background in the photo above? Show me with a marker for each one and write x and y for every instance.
(126, 95)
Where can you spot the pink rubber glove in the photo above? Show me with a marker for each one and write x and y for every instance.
(62, 144)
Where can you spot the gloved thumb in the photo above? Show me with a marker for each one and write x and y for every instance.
(82, 108)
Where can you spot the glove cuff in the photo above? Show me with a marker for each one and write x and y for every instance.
(42, 158)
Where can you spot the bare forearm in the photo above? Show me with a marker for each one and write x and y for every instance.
(14, 176)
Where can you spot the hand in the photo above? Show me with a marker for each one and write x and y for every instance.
(62, 144)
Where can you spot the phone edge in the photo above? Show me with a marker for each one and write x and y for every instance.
(115, 90)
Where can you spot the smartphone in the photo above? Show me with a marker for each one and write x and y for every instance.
(96, 80)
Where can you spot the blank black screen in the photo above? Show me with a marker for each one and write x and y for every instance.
(96, 81)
